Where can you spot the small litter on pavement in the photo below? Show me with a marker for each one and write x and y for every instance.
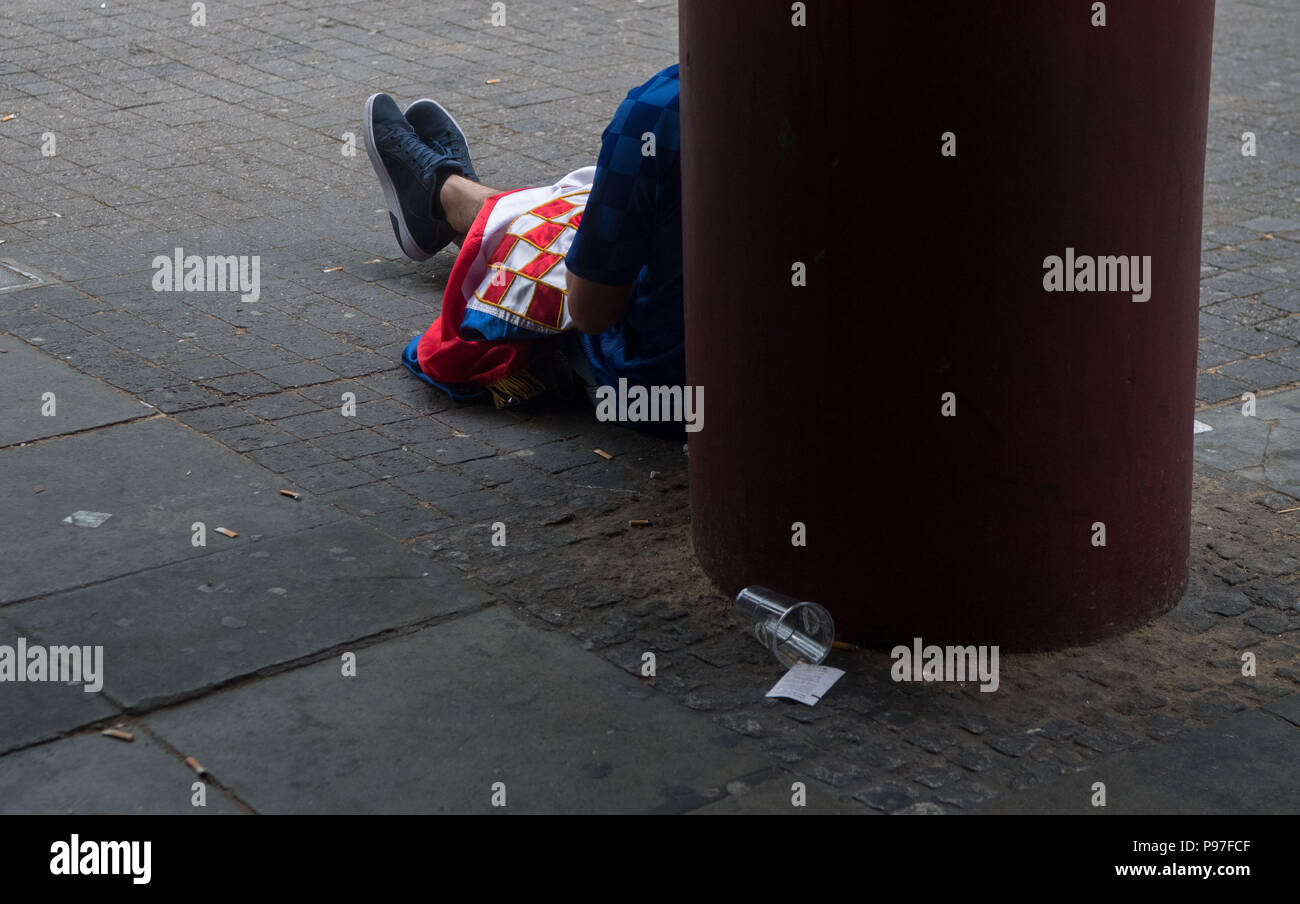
(118, 733)
(87, 519)
(603, 454)
(291, 494)
(795, 631)
(806, 683)
(226, 532)
(1200, 427)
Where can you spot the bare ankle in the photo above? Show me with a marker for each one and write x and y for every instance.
(461, 200)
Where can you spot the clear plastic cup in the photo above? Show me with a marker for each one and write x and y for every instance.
(795, 631)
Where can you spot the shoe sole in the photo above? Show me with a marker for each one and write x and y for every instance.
(430, 100)
(404, 238)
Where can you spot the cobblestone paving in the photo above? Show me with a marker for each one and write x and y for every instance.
(1250, 256)
(228, 139)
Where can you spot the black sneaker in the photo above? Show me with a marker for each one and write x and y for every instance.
(436, 127)
(408, 169)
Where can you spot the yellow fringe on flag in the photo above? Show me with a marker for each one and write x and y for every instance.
(515, 388)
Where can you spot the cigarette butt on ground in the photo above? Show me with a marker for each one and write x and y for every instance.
(603, 454)
(7, 117)
(374, 260)
(331, 269)
(845, 645)
(290, 493)
(195, 765)
(639, 522)
(491, 81)
(1284, 511)
(226, 532)
(118, 733)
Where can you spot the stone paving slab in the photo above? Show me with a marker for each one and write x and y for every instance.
(484, 698)
(14, 278)
(1251, 246)
(1287, 708)
(94, 774)
(775, 796)
(171, 633)
(1264, 447)
(155, 478)
(80, 402)
(1242, 764)
(32, 712)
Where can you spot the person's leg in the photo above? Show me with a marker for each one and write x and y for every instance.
(432, 191)
(460, 197)
(461, 200)
(411, 171)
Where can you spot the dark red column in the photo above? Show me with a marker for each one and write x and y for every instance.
(821, 144)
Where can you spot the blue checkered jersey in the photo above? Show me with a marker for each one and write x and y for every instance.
(631, 232)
